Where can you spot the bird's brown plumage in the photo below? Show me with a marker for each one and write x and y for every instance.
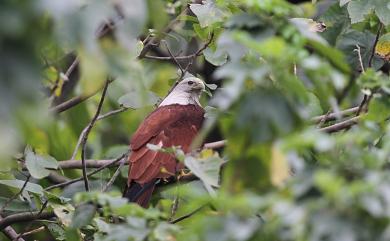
(170, 125)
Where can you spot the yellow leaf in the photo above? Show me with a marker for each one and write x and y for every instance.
(93, 71)
(279, 167)
(383, 47)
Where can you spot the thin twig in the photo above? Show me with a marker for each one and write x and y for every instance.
(37, 230)
(44, 205)
(341, 125)
(375, 43)
(173, 57)
(334, 115)
(113, 178)
(15, 195)
(360, 58)
(76, 164)
(158, 37)
(188, 215)
(71, 68)
(113, 112)
(85, 138)
(9, 231)
(72, 102)
(83, 132)
(169, 58)
(89, 174)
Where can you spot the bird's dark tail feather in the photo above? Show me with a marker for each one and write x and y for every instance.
(140, 194)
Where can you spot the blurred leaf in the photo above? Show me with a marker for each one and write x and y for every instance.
(92, 78)
(56, 230)
(207, 13)
(207, 169)
(38, 165)
(359, 9)
(83, 215)
(383, 46)
(18, 184)
(135, 99)
(16, 205)
(348, 42)
(216, 58)
(279, 167)
(64, 213)
(159, 20)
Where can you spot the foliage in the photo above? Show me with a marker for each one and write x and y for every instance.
(284, 174)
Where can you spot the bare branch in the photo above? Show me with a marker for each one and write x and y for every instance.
(158, 37)
(37, 230)
(72, 102)
(360, 58)
(174, 58)
(113, 178)
(25, 217)
(85, 138)
(83, 132)
(215, 145)
(76, 164)
(10, 232)
(375, 43)
(334, 115)
(188, 215)
(113, 112)
(341, 125)
(108, 164)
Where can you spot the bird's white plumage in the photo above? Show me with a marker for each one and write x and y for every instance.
(187, 92)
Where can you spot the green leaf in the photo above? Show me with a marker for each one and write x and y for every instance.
(207, 169)
(378, 109)
(64, 213)
(83, 215)
(15, 206)
(207, 13)
(359, 9)
(216, 58)
(18, 184)
(38, 165)
(348, 41)
(56, 230)
(136, 100)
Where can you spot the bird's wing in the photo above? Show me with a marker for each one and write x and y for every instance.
(152, 125)
(179, 129)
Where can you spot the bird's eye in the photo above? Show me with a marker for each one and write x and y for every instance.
(190, 82)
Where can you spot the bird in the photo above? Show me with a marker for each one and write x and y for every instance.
(175, 122)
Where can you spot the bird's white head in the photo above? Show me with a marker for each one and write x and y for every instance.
(186, 92)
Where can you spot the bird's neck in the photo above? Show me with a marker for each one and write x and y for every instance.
(181, 98)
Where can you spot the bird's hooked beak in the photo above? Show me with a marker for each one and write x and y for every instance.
(199, 86)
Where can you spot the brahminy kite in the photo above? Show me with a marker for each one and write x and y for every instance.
(175, 122)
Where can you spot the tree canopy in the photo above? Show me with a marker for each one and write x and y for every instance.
(296, 142)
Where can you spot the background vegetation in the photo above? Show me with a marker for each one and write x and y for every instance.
(302, 104)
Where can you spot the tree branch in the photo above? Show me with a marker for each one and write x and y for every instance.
(83, 132)
(85, 138)
(375, 43)
(188, 215)
(113, 178)
(10, 232)
(106, 164)
(76, 164)
(25, 217)
(341, 125)
(158, 37)
(334, 115)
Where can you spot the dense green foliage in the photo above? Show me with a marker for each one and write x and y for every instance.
(282, 174)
